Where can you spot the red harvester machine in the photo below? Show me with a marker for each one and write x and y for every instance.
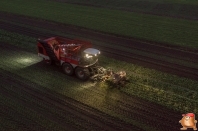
(76, 57)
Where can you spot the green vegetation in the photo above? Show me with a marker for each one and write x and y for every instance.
(175, 8)
(157, 28)
(174, 92)
(26, 67)
(126, 3)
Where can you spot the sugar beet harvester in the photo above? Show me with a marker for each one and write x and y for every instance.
(76, 57)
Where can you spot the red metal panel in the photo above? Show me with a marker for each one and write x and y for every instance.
(39, 45)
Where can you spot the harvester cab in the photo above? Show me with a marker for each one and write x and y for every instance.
(89, 57)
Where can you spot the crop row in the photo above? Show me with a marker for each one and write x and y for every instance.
(169, 99)
(176, 8)
(129, 3)
(17, 40)
(182, 90)
(156, 28)
(144, 83)
(144, 74)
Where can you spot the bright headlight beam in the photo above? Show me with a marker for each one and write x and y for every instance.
(88, 56)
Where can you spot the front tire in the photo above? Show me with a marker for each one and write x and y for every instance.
(82, 73)
(68, 69)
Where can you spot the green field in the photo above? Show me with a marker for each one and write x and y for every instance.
(175, 6)
(20, 62)
(125, 3)
(168, 90)
(142, 26)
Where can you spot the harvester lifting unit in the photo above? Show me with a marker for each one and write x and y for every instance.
(75, 56)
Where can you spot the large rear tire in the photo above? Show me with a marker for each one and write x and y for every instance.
(82, 73)
(68, 69)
